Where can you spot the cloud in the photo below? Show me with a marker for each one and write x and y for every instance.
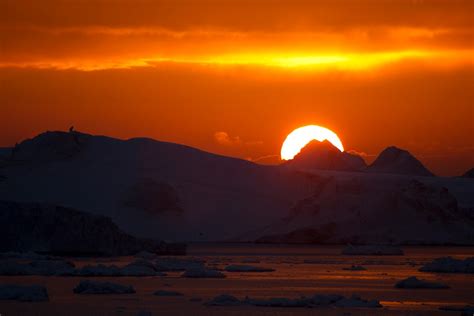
(223, 138)
(359, 153)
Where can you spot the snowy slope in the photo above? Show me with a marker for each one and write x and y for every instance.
(371, 208)
(150, 188)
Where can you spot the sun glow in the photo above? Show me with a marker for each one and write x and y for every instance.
(297, 139)
(283, 60)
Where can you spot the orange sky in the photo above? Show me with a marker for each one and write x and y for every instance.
(235, 77)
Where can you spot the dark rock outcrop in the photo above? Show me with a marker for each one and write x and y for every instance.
(324, 156)
(469, 174)
(398, 161)
(53, 229)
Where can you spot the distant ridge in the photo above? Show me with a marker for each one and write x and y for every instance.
(398, 161)
(324, 156)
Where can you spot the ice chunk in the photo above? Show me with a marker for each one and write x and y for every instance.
(10, 267)
(466, 310)
(202, 273)
(246, 268)
(24, 293)
(167, 293)
(356, 301)
(98, 287)
(225, 300)
(145, 255)
(40, 267)
(140, 268)
(372, 250)
(98, 270)
(250, 260)
(355, 268)
(280, 302)
(177, 264)
(316, 300)
(449, 265)
(29, 255)
(415, 283)
(52, 267)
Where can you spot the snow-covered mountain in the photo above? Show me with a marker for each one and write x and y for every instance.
(174, 192)
(150, 188)
(398, 161)
(323, 155)
(363, 208)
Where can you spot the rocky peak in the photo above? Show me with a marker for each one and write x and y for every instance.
(398, 161)
(323, 155)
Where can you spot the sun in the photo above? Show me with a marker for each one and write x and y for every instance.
(303, 135)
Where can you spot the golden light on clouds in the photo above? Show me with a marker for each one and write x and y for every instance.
(302, 61)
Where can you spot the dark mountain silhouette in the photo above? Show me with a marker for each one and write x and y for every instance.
(324, 156)
(469, 173)
(398, 161)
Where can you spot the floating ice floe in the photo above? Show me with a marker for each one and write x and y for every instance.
(140, 267)
(372, 250)
(225, 300)
(246, 268)
(135, 268)
(250, 260)
(449, 265)
(29, 255)
(466, 310)
(355, 268)
(167, 293)
(357, 301)
(52, 267)
(24, 293)
(177, 264)
(38, 267)
(415, 283)
(202, 272)
(315, 301)
(98, 287)
(145, 255)
(98, 270)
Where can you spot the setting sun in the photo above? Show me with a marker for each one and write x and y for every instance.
(303, 135)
